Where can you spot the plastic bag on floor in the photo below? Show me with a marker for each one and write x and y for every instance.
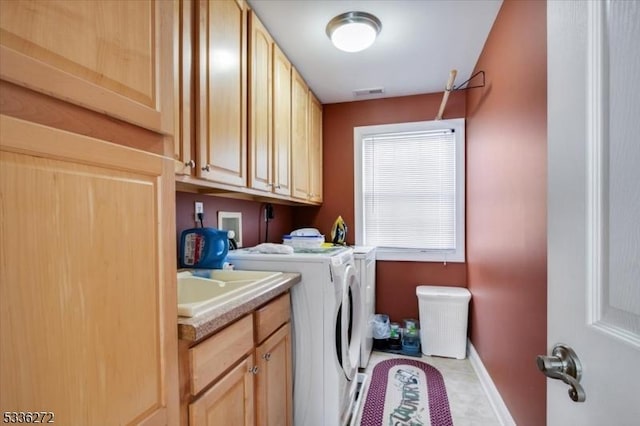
(381, 328)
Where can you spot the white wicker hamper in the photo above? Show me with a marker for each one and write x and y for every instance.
(443, 320)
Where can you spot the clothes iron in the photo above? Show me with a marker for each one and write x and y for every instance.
(339, 232)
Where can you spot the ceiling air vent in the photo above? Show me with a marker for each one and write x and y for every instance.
(372, 91)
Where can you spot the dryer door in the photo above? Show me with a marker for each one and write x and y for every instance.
(351, 320)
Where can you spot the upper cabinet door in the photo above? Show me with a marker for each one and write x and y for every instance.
(221, 88)
(315, 149)
(183, 152)
(115, 57)
(299, 136)
(273, 381)
(260, 111)
(281, 122)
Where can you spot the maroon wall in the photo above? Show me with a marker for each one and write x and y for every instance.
(506, 207)
(396, 284)
(253, 224)
(396, 281)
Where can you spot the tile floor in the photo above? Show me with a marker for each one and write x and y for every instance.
(467, 400)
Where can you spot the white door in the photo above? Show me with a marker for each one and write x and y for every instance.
(594, 207)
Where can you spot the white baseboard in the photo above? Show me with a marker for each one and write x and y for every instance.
(498, 405)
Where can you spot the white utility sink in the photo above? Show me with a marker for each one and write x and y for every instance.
(197, 294)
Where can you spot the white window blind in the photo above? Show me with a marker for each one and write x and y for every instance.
(410, 193)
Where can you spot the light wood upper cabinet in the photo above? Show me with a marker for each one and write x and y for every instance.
(246, 122)
(184, 142)
(306, 133)
(260, 109)
(281, 122)
(114, 57)
(299, 136)
(221, 101)
(88, 279)
(269, 113)
(315, 149)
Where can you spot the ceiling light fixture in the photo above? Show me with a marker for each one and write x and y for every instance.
(353, 31)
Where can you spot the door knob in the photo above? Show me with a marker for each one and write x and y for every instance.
(563, 364)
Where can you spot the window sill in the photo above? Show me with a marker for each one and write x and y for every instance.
(416, 255)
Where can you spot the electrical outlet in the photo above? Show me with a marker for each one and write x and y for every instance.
(199, 208)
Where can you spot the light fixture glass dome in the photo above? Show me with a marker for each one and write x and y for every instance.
(353, 31)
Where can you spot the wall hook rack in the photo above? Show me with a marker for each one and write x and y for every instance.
(450, 88)
(459, 87)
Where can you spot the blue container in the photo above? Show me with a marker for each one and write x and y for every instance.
(204, 248)
(411, 342)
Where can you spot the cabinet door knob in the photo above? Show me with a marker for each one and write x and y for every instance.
(206, 168)
(191, 164)
(267, 356)
(254, 369)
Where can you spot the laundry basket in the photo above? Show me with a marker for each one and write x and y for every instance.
(443, 320)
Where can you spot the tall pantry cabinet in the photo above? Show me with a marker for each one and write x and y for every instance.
(87, 220)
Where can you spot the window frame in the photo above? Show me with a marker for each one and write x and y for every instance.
(410, 254)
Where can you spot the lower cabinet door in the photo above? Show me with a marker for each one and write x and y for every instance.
(229, 402)
(273, 380)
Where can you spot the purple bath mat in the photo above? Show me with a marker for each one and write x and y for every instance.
(406, 391)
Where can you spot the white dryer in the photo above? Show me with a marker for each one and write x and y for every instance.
(326, 318)
(365, 260)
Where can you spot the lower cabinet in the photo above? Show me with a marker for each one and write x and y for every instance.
(242, 374)
(273, 381)
(229, 401)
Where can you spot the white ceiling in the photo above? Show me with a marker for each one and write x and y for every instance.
(420, 42)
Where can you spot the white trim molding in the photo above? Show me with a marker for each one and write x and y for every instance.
(497, 403)
(602, 314)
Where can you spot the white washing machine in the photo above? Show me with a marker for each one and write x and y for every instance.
(326, 319)
(365, 260)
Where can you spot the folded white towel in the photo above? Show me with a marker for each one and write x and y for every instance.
(272, 248)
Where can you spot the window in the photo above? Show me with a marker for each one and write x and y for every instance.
(409, 195)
